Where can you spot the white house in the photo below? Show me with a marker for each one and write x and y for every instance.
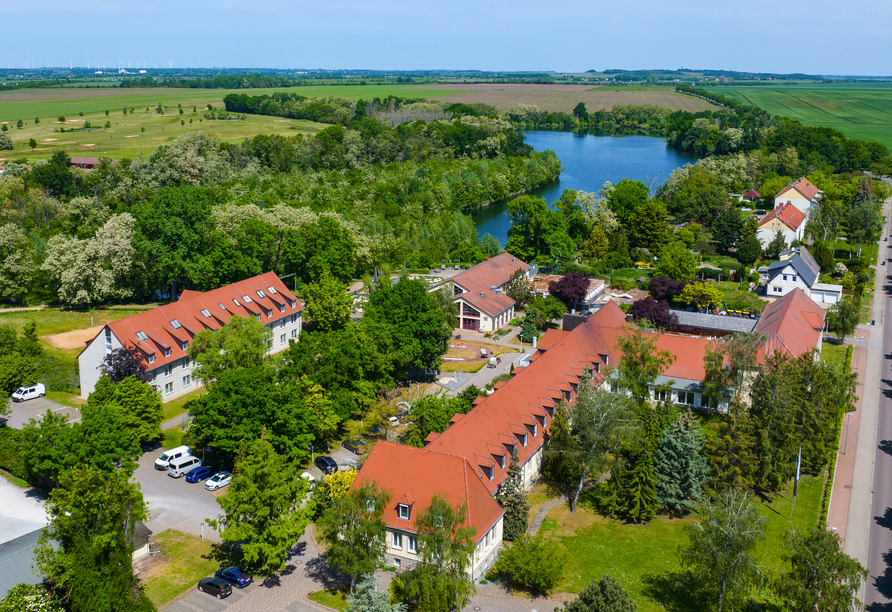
(797, 269)
(482, 303)
(802, 194)
(162, 336)
(786, 219)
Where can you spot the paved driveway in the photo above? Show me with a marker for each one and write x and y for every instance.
(22, 412)
(21, 511)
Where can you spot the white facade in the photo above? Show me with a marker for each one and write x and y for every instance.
(766, 235)
(785, 282)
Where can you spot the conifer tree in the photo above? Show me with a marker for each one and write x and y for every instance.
(732, 463)
(639, 501)
(513, 498)
(604, 595)
(681, 468)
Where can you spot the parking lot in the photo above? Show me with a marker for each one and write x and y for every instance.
(22, 412)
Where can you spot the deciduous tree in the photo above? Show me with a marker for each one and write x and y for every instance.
(241, 343)
(124, 362)
(571, 289)
(677, 262)
(843, 318)
(512, 496)
(445, 543)
(328, 302)
(534, 563)
(655, 313)
(520, 289)
(17, 265)
(640, 364)
(701, 295)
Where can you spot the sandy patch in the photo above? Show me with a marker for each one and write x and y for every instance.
(89, 145)
(283, 121)
(132, 136)
(73, 339)
(49, 139)
(74, 121)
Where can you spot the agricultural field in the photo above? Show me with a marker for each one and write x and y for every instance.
(563, 97)
(858, 110)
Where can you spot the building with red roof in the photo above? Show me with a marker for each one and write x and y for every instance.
(162, 336)
(802, 194)
(794, 324)
(786, 219)
(482, 303)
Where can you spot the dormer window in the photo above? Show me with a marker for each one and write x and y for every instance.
(184, 345)
(535, 431)
(269, 314)
(523, 440)
(175, 324)
(489, 471)
(500, 459)
(151, 358)
(247, 299)
(402, 511)
(272, 290)
(260, 293)
(167, 352)
(206, 313)
(142, 336)
(294, 303)
(281, 307)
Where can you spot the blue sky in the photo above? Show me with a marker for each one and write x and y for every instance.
(817, 37)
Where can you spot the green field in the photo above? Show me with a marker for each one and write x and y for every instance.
(858, 110)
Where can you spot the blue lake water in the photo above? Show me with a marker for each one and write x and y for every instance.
(589, 161)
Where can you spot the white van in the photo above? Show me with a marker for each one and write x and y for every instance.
(483, 353)
(177, 468)
(25, 393)
(162, 462)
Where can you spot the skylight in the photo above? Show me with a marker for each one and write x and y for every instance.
(176, 324)
(271, 290)
(142, 335)
(247, 299)
(206, 312)
(222, 307)
(260, 293)
(235, 301)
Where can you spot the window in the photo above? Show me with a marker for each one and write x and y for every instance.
(686, 397)
(402, 511)
(294, 318)
(142, 336)
(187, 362)
(247, 299)
(206, 313)
(235, 301)
(167, 352)
(176, 324)
(501, 460)
(222, 307)
(294, 333)
(152, 358)
(187, 380)
(108, 343)
(524, 440)
(398, 541)
(410, 543)
(260, 293)
(269, 314)
(281, 307)
(282, 339)
(294, 303)
(785, 277)
(168, 388)
(535, 430)
(272, 290)
(169, 369)
(153, 375)
(794, 278)
(489, 471)
(184, 345)
(660, 395)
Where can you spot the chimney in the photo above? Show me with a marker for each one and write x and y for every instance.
(481, 294)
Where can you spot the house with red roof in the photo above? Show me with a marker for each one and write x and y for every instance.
(786, 219)
(161, 336)
(482, 303)
(802, 194)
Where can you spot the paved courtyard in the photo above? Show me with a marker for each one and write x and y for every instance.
(22, 412)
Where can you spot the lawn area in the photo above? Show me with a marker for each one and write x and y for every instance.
(56, 321)
(833, 353)
(333, 598)
(178, 406)
(184, 560)
(630, 274)
(173, 438)
(636, 555)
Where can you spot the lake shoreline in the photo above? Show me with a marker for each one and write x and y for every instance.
(511, 196)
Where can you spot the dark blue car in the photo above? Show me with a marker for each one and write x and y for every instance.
(234, 576)
(200, 473)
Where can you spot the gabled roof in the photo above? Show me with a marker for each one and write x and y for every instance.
(804, 264)
(752, 193)
(162, 334)
(804, 187)
(792, 324)
(414, 476)
(479, 281)
(787, 214)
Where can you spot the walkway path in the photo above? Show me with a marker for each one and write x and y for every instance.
(536, 523)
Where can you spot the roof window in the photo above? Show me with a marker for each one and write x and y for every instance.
(142, 335)
(260, 293)
(206, 313)
(272, 290)
(235, 301)
(176, 324)
(220, 304)
(247, 299)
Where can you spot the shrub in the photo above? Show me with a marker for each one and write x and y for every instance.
(533, 563)
(10, 459)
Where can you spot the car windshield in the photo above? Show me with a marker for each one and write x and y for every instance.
(163, 457)
(20, 390)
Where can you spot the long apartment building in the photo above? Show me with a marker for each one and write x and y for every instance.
(162, 336)
(469, 461)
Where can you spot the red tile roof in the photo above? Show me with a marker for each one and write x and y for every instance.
(550, 338)
(479, 281)
(752, 193)
(787, 214)
(804, 187)
(414, 475)
(793, 324)
(162, 334)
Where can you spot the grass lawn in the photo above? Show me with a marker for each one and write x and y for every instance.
(631, 274)
(54, 321)
(833, 353)
(636, 555)
(178, 405)
(184, 560)
(173, 438)
(333, 598)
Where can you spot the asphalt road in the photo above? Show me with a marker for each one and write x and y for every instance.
(878, 593)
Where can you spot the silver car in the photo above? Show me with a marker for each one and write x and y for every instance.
(218, 481)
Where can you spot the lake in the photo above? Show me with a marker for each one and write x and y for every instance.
(589, 161)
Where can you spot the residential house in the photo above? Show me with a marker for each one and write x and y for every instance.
(413, 477)
(482, 303)
(802, 194)
(793, 324)
(162, 336)
(542, 282)
(797, 269)
(750, 196)
(786, 219)
(87, 163)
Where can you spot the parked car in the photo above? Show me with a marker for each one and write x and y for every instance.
(178, 468)
(326, 464)
(234, 576)
(23, 394)
(308, 476)
(163, 462)
(215, 586)
(355, 446)
(200, 473)
(218, 481)
(393, 421)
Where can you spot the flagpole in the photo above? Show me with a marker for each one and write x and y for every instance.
(796, 482)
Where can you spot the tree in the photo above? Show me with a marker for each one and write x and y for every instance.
(534, 563)
(626, 197)
(447, 305)
(749, 250)
(124, 362)
(571, 289)
(721, 548)
(138, 406)
(5, 141)
(546, 310)
(17, 370)
(732, 462)
(580, 112)
(513, 498)
(597, 245)
(640, 365)
(262, 509)
(490, 245)
(30, 598)
(657, 314)
(727, 226)
(520, 289)
(353, 528)
(821, 577)
(647, 227)
(242, 343)
(525, 234)
(85, 550)
(32, 143)
(681, 467)
(445, 543)
(665, 289)
(677, 262)
(323, 245)
(863, 224)
(367, 598)
(823, 256)
(777, 244)
(328, 302)
(431, 413)
(17, 267)
(843, 318)
(528, 329)
(603, 595)
(701, 295)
